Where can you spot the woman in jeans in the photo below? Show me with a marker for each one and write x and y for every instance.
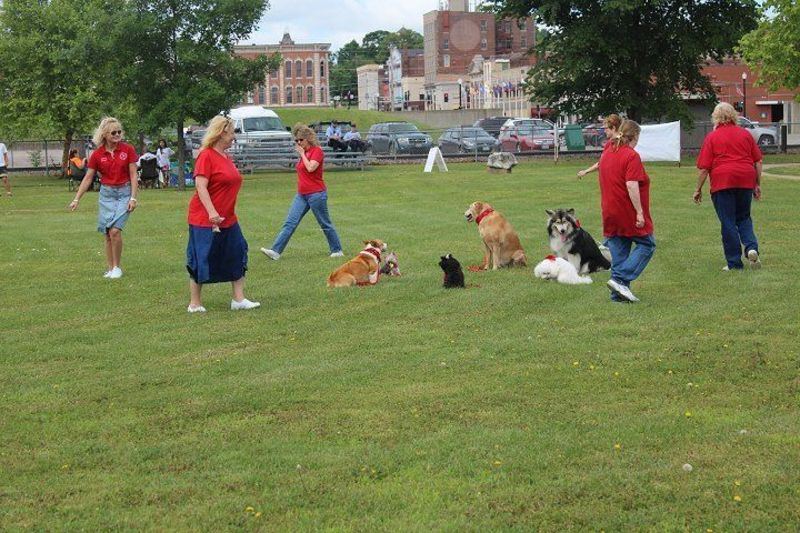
(116, 163)
(625, 205)
(312, 194)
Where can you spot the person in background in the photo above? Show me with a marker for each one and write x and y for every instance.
(312, 194)
(4, 168)
(334, 134)
(163, 153)
(116, 163)
(611, 125)
(625, 206)
(353, 139)
(732, 159)
(217, 250)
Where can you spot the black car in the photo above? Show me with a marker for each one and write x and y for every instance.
(491, 125)
(398, 138)
(467, 139)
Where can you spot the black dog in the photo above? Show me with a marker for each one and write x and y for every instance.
(453, 275)
(573, 243)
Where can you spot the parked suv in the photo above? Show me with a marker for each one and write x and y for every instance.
(492, 125)
(762, 135)
(467, 139)
(398, 138)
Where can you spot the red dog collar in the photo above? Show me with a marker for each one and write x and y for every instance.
(550, 257)
(483, 215)
(373, 251)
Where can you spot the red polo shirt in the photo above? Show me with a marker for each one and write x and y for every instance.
(619, 216)
(729, 153)
(113, 166)
(224, 182)
(311, 182)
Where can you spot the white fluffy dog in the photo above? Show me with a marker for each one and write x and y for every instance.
(559, 269)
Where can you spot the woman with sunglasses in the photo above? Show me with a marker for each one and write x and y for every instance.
(116, 163)
(217, 250)
(312, 194)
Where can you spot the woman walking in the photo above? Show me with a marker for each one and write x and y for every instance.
(733, 160)
(116, 163)
(217, 250)
(311, 194)
(625, 205)
(611, 125)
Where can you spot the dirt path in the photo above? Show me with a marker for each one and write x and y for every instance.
(765, 171)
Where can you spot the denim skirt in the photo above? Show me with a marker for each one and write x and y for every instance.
(215, 257)
(113, 211)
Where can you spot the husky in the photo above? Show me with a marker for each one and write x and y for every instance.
(573, 243)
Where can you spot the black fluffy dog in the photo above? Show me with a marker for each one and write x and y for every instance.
(453, 275)
(573, 243)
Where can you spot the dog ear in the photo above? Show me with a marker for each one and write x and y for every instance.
(549, 212)
(571, 211)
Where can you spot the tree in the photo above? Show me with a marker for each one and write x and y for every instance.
(636, 56)
(772, 48)
(182, 64)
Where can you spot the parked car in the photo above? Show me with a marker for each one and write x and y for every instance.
(196, 137)
(492, 125)
(762, 135)
(467, 139)
(594, 134)
(526, 135)
(398, 138)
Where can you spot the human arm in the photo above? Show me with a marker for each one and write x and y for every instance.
(633, 194)
(582, 173)
(133, 202)
(757, 188)
(697, 196)
(310, 164)
(201, 186)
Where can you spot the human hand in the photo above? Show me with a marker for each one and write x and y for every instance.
(757, 192)
(215, 219)
(639, 220)
(73, 205)
(581, 173)
(697, 196)
(132, 203)
(299, 149)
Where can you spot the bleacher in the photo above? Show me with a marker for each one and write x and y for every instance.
(251, 158)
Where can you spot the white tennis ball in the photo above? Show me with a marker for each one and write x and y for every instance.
(687, 467)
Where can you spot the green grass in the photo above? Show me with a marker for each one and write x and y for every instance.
(793, 170)
(364, 119)
(516, 404)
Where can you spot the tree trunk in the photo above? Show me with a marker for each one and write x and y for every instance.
(181, 156)
(65, 155)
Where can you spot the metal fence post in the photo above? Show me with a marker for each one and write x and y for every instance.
(46, 159)
(784, 140)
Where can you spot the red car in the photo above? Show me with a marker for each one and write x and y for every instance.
(526, 135)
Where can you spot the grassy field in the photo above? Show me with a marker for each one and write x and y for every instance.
(516, 404)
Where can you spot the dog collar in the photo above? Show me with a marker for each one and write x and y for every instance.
(550, 257)
(483, 215)
(373, 252)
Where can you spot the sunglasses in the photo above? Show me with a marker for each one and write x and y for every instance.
(298, 141)
(116, 132)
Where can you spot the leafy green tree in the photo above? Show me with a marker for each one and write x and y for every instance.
(636, 56)
(773, 48)
(181, 63)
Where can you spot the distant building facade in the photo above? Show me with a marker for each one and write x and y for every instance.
(406, 78)
(373, 87)
(301, 80)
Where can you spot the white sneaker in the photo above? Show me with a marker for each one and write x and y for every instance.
(337, 254)
(115, 273)
(244, 305)
(107, 274)
(752, 256)
(196, 309)
(622, 290)
(272, 254)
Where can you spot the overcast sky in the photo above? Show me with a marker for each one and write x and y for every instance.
(337, 21)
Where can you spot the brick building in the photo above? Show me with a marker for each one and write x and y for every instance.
(302, 79)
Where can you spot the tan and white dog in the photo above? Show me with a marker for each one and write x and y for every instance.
(363, 269)
(499, 238)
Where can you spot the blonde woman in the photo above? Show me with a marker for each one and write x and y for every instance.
(625, 205)
(116, 163)
(217, 250)
(611, 125)
(733, 160)
(312, 194)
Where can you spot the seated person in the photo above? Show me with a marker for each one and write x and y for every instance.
(148, 163)
(334, 134)
(76, 167)
(353, 140)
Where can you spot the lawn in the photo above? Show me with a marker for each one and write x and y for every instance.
(515, 404)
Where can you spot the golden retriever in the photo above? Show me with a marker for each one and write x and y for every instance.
(363, 269)
(499, 238)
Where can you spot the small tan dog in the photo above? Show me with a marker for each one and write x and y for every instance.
(501, 241)
(363, 269)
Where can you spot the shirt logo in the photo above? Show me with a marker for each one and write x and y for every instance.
(123, 156)
(103, 159)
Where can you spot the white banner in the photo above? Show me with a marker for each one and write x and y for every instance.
(660, 142)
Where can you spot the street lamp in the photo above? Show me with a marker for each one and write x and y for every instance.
(460, 81)
(744, 94)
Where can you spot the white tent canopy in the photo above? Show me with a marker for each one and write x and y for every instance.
(660, 142)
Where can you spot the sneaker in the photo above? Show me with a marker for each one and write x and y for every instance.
(115, 273)
(622, 290)
(196, 309)
(272, 254)
(752, 256)
(337, 254)
(108, 272)
(244, 304)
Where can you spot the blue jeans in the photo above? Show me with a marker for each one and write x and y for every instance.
(627, 265)
(733, 211)
(318, 204)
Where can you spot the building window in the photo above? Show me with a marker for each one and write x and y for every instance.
(262, 96)
(446, 60)
(523, 25)
(309, 69)
(446, 44)
(484, 44)
(310, 94)
(288, 95)
(323, 95)
(274, 95)
(299, 94)
(274, 74)
(484, 25)
(288, 73)
(321, 69)
(249, 97)
(523, 42)
(298, 68)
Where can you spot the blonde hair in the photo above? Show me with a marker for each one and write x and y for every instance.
(626, 134)
(215, 130)
(612, 121)
(301, 131)
(724, 113)
(104, 130)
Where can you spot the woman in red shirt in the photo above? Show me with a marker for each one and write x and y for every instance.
(625, 206)
(312, 194)
(217, 250)
(611, 125)
(116, 163)
(732, 158)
